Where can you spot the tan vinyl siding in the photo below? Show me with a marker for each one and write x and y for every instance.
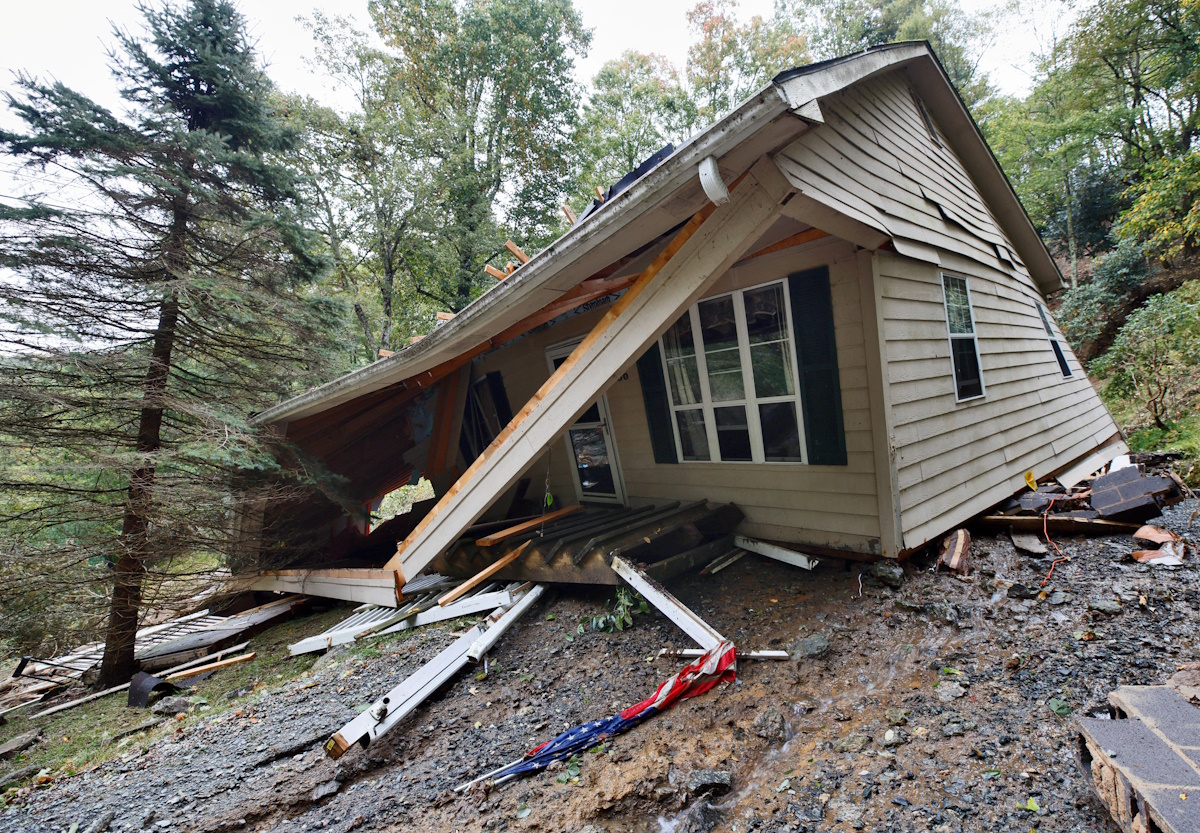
(874, 160)
(875, 156)
(953, 459)
(832, 506)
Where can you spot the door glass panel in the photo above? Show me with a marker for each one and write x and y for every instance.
(733, 434)
(591, 456)
(781, 432)
(692, 436)
(765, 319)
(718, 329)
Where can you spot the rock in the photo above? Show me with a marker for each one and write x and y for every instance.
(1058, 597)
(19, 744)
(810, 647)
(892, 737)
(1109, 607)
(771, 725)
(16, 776)
(709, 780)
(171, 706)
(887, 572)
(851, 743)
(897, 716)
(327, 789)
(699, 818)
(847, 811)
(943, 611)
(948, 690)
(1020, 591)
(101, 823)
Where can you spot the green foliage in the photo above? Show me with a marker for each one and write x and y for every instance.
(1154, 353)
(638, 105)
(618, 612)
(1166, 209)
(144, 322)
(1087, 306)
(728, 59)
(840, 27)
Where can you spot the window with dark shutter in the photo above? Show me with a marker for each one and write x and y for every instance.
(738, 369)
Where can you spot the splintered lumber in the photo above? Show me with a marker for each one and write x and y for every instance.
(687, 621)
(775, 551)
(599, 193)
(62, 707)
(494, 272)
(402, 700)
(212, 666)
(444, 316)
(726, 560)
(383, 354)
(570, 214)
(516, 250)
(527, 526)
(483, 575)
(689, 265)
(1055, 525)
(478, 603)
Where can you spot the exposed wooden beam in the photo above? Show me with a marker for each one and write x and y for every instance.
(798, 239)
(516, 250)
(527, 526)
(494, 272)
(383, 354)
(212, 666)
(599, 193)
(570, 214)
(444, 316)
(700, 253)
(483, 575)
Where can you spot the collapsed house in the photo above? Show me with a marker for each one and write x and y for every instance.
(818, 325)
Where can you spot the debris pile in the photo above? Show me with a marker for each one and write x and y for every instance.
(1132, 490)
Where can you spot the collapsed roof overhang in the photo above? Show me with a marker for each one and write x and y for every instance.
(667, 196)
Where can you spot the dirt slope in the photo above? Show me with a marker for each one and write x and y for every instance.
(959, 671)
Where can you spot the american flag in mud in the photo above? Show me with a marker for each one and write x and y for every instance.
(713, 668)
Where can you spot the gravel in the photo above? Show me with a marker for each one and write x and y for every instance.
(887, 657)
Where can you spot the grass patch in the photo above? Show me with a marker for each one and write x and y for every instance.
(88, 735)
(1182, 437)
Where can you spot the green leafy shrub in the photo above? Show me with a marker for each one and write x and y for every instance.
(1155, 354)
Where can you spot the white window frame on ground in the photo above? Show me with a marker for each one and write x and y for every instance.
(973, 335)
(750, 401)
(1055, 346)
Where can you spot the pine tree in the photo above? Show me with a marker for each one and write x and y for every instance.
(144, 321)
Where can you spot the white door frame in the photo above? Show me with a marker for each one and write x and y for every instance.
(561, 351)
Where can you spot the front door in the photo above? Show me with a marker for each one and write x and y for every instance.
(591, 446)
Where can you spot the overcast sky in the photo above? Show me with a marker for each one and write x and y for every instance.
(66, 38)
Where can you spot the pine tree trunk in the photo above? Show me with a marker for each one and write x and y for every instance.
(118, 664)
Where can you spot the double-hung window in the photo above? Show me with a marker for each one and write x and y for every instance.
(964, 347)
(730, 364)
(1054, 345)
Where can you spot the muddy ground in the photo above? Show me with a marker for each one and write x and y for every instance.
(927, 706)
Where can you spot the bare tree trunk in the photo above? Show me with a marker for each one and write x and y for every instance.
(119, 664)
(1072, 244)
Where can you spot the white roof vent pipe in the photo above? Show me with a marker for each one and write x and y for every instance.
(711, 182)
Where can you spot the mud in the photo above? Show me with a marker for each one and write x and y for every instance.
(933, 709)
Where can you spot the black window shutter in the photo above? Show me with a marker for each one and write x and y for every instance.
(816, 351)
(658, 406)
